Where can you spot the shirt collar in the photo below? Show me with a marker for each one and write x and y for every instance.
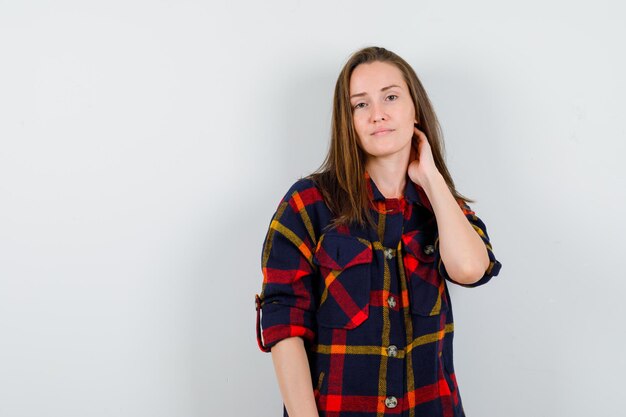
(413, 193)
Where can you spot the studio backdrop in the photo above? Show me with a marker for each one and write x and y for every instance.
(144, 147)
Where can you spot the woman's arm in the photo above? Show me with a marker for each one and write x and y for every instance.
(294, 377)
(462, 250)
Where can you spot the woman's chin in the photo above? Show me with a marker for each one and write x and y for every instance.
(382, 151)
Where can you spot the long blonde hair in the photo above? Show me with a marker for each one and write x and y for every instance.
(340, 178)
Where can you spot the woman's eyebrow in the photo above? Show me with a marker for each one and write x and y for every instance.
(382, 89)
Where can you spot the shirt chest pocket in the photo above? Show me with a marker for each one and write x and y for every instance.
(345, 265)
(426, 287)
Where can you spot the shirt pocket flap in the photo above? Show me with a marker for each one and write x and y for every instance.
(419, 244)
(335, 251)
(425, 284)
(345, 263)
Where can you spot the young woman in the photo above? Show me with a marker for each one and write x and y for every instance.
(356, 309)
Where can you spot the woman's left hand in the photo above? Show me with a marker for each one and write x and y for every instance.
(421, 169)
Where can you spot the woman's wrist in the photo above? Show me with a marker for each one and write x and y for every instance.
(433, 181)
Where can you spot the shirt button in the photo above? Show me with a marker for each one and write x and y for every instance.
(391, 301)
(391, 402)
(428, 249)
(392, 351)
(388, 253)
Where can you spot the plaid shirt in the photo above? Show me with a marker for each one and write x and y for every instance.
(371, 305)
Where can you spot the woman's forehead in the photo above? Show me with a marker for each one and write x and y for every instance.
(375, 76)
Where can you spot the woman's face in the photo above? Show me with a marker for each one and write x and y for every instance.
(380, 100)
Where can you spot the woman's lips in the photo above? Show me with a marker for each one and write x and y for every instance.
(383, 132)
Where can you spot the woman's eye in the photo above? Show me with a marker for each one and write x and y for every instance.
(358, 105)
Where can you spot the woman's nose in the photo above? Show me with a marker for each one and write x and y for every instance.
(378, 113)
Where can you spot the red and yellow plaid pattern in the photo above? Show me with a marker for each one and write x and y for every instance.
(372, 305)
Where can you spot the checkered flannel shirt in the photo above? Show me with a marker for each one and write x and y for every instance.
(371, 305)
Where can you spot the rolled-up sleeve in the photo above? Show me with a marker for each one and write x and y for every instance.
(494, 265)
(285, 306)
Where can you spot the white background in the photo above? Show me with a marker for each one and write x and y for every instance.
(145, 145)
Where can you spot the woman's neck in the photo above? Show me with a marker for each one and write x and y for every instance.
(389, 176)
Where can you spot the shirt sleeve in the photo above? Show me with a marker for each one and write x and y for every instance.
(494, 265)
(286, 299)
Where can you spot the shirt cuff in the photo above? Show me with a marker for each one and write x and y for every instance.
(492, 270)
(279, 322)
